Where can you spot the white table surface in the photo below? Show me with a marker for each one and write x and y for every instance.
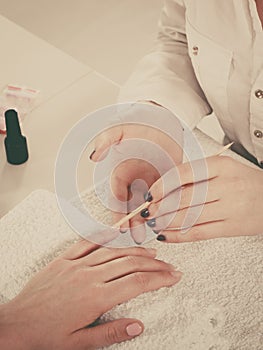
(69, 91)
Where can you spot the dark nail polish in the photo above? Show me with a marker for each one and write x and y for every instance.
(161, 238)
(90, 157)
(156, 231)
(145, 213)
(95, 323)
(151, 222)
(148, 197)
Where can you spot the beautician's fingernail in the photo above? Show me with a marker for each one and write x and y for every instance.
(161, 238)
(145, 213)
(134, 329)
(148, 197)
(176, 274)
(91, 155)
(151, 222)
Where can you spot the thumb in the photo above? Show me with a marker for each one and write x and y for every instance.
(104, 141)
(110, 333)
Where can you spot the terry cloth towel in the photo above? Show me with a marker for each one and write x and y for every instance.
(218, 305)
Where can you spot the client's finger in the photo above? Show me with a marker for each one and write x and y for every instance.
(129, 264)
(118, 200)
(138, 230)
(79, 249)
(134, 284)
(103, 255)
(107, 334)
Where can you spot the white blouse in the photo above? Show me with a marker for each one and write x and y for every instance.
(208, 57)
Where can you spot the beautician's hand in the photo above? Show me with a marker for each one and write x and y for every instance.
(229, 203)
(53, 310)
(123, 182)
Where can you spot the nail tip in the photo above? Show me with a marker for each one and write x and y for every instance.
(161, 238)
(151, 223)
(145, 213)
(177, 274)
(148, 197)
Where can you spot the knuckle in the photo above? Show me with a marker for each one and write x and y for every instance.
(132, 261)
(56, 264)
(142, 281)
(112, 335)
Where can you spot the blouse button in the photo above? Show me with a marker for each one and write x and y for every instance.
(258, 134)
(195, 52)
(259, 93)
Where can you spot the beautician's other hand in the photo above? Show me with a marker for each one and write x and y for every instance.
(133, 169)
(229, 203)
(53, 310)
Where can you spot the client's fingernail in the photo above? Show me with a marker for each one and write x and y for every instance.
(176, 274)
(134, 329)
(161, 238)
(145, 213)
(91, 155)
(148, 197)
(151, 222)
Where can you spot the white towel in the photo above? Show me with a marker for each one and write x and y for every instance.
(217, 305)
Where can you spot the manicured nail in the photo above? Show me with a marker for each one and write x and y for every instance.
(151, 222)
(148, 197)
(95, 323)
(134, 329)
(145, 213)
(91, 155)
(176, 274)
(156, 231)
(161, 238)
(138, 243)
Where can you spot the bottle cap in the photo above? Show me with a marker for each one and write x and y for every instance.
(15, 142)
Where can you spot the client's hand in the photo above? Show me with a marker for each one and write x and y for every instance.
(54, 309)
(216, 197)
(147, 141)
